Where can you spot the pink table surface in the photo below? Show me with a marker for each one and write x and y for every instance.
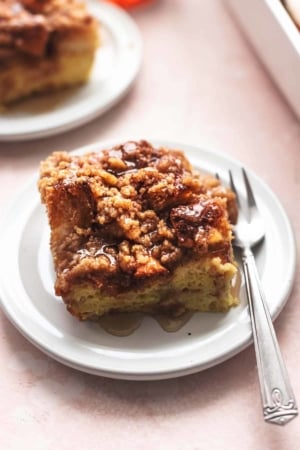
(202, 84)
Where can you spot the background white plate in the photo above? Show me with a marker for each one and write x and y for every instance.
(116, 65)
(26, 291)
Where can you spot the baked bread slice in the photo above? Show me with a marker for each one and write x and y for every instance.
(45, 45)
(133, 228)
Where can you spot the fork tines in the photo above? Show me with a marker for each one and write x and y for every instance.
(250, 195)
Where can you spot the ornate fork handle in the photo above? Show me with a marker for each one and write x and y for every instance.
(279, 404)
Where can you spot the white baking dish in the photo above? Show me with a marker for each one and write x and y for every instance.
(276, 40)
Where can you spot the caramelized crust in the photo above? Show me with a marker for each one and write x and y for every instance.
(130, 216)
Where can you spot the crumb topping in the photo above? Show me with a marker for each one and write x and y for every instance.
(132, 212)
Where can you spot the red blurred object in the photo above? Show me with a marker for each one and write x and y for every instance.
(129, 3)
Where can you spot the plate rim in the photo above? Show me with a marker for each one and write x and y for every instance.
(154, 374)
(102, 8)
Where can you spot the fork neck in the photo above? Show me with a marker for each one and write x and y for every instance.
(247, 252)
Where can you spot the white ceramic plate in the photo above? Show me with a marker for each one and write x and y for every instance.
(26, 291)
(116, 65)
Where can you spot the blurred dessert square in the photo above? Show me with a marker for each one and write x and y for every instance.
(45, 45)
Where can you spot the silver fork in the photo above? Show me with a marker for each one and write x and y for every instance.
(278, 400)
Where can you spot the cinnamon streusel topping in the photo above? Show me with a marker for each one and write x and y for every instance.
(130, 213)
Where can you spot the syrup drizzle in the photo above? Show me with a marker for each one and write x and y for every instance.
(125, 324)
